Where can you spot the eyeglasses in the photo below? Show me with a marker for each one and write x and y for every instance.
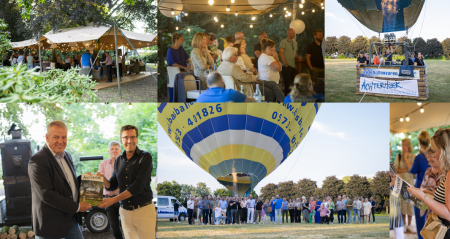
(131, 137)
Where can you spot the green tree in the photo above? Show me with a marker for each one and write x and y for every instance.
(186, 192)
(446, 47)
(268, 191)
(202, 190)
(286, 189)
(167, 188)
(358, 186)
(359, 44)
(4, 38)
(420, 45)
(380, 191)
(305, 187)
(331, 45)
(374, 39)
(253, 193)
(332, 187)
(222, 192)
(434, 47)
(343, 44)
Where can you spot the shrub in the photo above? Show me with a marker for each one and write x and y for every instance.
(150, 57)
(341, 56)
(17, 84)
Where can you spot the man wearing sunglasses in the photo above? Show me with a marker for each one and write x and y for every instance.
(132, 175)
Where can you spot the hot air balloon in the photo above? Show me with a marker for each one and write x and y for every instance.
(385, 15)
(238, 144)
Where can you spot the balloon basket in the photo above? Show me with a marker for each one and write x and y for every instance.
(367, 72)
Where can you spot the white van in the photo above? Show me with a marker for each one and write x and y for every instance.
(165, 208)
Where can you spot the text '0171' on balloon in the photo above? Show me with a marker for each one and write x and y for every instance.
(238, 144)
(385, 15)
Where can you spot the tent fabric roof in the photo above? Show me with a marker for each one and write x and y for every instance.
(201, 6)
(434, 115)
(31, 43)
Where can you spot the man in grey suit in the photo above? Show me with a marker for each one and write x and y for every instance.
(54, 188)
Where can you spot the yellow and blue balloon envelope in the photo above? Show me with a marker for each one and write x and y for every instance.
(238, 144)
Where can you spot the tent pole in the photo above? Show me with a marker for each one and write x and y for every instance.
(117, 62)
(40, 59)
(145, 64)
(99, 51)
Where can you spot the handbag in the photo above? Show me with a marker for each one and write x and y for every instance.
(433, 228)
(406, 70)
(269, 209)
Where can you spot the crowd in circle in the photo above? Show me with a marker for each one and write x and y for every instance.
(276, 210)
(268, 73)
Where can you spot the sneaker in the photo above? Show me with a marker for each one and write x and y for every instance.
(253, 223)
(411, 229)
(178, 222)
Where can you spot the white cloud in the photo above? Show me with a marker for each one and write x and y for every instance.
(326, 130)
(329, 14)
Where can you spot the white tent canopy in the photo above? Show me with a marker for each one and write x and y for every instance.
(87, 35)
(434, 115)
(31, 43)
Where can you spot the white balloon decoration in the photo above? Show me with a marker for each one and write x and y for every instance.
(172, 8)
(260, 4)
(298, 26)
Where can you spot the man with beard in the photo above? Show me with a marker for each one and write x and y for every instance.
(132, 175)
(314, 58)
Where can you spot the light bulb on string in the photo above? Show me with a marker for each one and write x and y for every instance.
(303, 13)
(285, 15)
(301, 5)
(409, 136)
(285, 9)
(270, 15)
(407, 118)
(211, 2)
(173, 13)
(401, 119)
(419, 103)
(228, 8)
(303, 1)
(289, 14)
(313, 10)
(421, 110)
(186, 14)
(176, 28)
(236, 13)
(189, 29)
(221, 26)
(253, 18)
(251, 26)
(322, 7)
(321, 4)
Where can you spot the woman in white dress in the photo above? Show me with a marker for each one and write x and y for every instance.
(367, 208)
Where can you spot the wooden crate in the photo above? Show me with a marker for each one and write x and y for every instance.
(422, 83)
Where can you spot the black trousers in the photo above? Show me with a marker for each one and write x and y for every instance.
(120, 69)
(109, 70)
(67, 67)
(332, 215)
(324, 220)
(190, 212)
(340, 219)
(284, 214)
(205, 216)
(298, 214)
(344, 212)
(288, 74)
(372, 211)
(113, 217)
(233, 215)
(244, 215)
(292, 215)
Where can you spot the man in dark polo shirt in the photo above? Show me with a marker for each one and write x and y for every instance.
(314, 58)
(388, 55)
(362, 60)
(257, 48)
(132, 175)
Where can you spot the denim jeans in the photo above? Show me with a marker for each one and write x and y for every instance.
(217, 219)
(349, 216)
(228, 217)
(340, 219)
(74, 231)
(278, 215)
(205, 216)
(356, 213)
(29, 67)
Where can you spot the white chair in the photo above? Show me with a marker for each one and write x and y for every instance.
(229, 82)
(190, 86)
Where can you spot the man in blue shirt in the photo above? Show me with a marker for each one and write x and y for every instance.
(86, 60)
(278, 206)
(217, 92)
(372, 209)
(251, 209)
(20, 59)
(284, 211)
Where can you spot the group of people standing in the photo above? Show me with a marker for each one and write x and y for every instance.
(264, 71)
(386, 59)
(235, 210)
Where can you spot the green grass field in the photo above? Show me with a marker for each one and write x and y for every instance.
(168, 229)
(340, 82)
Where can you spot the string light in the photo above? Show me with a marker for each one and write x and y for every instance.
(211, 2)
(176, 28)
(232, 1)
(301, 5)
(251, 26)
(401, 119)
(236, 13)
(221, 26)
(407, 118)
(285, 15)
(303, 13)
(289, 14)
(303, 1)
(253, 18)
(228, 8)
(321, 4)
(313, 10)
(421, 110)
(189, 29)
(173, 13)
(270, 15)
(322, 7)
(409, 136)
(186, 14)
(285, 9)
(419, 103)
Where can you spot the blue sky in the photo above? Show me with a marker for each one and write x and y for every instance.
(434, 17)
(345, 139)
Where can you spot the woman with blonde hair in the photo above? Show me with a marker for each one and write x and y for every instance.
(302, 90)
(403, 163)
(432, 177)
(419, 167)
(440, 203)
(200, 57)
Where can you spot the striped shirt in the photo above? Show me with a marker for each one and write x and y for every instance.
(439, 194)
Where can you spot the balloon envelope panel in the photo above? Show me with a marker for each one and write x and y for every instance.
(385, 15)
(238, 144)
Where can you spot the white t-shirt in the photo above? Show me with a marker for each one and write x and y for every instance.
(265, 72)
(240, 63)
(218, 212)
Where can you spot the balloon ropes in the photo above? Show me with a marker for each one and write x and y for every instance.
(238, 144)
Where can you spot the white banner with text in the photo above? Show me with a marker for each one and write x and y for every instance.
(376, 86)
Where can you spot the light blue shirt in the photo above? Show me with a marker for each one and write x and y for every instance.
(285, 204)
(223, 204)
(251, 203)
(20, 59)
(345, 203)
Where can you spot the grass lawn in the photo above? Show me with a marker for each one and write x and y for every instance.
(340, 82)
(167, 229)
